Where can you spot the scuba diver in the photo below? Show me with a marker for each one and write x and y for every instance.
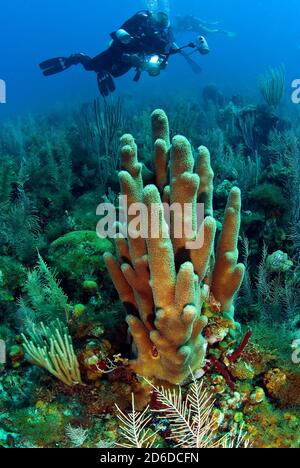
(190, 23)
(144, 42)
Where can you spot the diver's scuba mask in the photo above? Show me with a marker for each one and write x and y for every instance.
(202, 45)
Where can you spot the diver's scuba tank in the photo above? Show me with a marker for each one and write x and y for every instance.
(202, 45)
(123, 36)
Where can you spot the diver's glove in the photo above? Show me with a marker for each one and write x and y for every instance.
(106, 84)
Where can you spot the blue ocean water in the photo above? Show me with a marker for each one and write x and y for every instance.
(267, 33)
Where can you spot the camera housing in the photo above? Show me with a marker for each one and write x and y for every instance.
(202, 45)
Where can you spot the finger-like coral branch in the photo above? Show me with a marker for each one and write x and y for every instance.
(165, 278)
(228, 274)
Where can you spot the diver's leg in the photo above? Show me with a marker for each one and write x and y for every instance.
(107, 65)
(103, 65)
(100, 62)
(112, 61)
(81, 59)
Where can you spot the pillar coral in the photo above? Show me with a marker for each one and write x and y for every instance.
(162, 283)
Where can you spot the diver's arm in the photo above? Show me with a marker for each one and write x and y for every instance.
(207, 23)
(205, 29)
(174, 48)
(210, 28)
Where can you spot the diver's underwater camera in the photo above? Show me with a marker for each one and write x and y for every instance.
(155, 64)
(152, 64)
(202, 45)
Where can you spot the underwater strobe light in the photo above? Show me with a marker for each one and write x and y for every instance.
(202, 45)
(2, 92)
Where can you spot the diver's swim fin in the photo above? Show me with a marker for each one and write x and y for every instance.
(106, 84)
(55, 65)
(111, 84)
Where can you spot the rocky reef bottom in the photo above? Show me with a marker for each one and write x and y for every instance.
(71, 377)
(257, 394)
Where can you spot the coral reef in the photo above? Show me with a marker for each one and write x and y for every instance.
(51, 348)
(61, 381)
(77, 257)
(159, 277)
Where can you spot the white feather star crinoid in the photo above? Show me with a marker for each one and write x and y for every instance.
(192, 421)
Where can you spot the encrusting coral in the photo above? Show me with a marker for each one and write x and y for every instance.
(165, 279)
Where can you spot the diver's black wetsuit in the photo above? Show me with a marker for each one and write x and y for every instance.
(147, 39)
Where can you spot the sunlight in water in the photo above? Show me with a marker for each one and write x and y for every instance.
(158, 5)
